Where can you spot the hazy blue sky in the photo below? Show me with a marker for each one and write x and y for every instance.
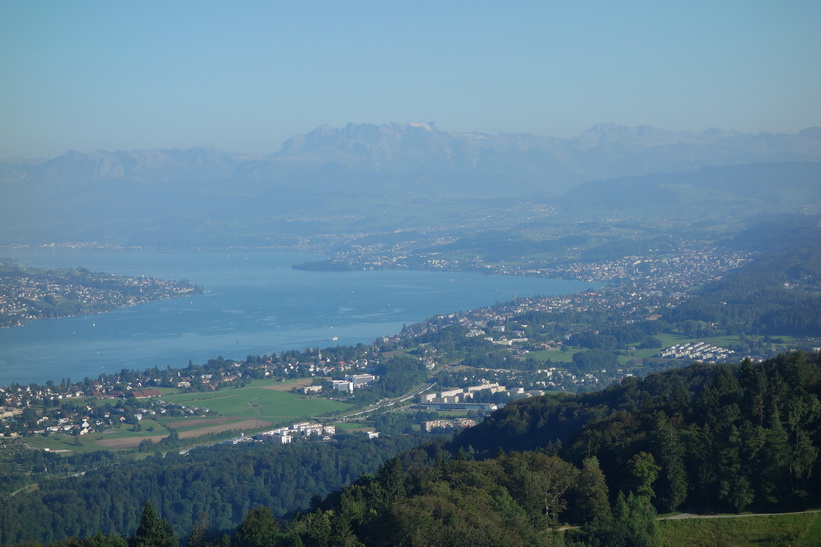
(244, 76)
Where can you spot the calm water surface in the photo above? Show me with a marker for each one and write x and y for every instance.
(254, 303)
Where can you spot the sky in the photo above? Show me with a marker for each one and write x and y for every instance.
(245, 76)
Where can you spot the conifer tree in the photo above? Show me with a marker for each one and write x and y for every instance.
(199, 534)
(592, 504)
(672, 490)
(258, 529)
(153, 531)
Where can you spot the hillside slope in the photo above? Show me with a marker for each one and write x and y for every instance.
(704, 439)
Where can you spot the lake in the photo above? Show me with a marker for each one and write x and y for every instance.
(255, 303)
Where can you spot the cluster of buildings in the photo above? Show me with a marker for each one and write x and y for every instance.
(698, 351)
(348, 385)
(499, 337)
(636, 286)
(27, 294)
(448, 424)
(463, 398)
(682, 268)
(62, 409)
(676, 267)
(285, 435)
(75, 423)
(312, 365)
(459, 395)
(354, 381)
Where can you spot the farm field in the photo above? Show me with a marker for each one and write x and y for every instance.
(259, 400)
(556, 356)
(260, 405)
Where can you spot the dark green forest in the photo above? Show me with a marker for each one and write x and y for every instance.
(220, 483)
(726, 438)
(702, 439)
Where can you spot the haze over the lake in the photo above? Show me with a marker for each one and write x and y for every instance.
(245, 77)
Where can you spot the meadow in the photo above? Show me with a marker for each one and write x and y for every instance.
(259, 405)
(264, 400)
(788, 529)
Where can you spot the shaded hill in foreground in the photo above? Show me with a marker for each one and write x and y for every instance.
(701, 439)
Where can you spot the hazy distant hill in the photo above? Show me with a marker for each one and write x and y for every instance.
(357, 172)
(748, 190)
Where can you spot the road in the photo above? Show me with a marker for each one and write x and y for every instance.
(384, 403)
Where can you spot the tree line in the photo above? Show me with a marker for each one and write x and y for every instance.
(220, 483)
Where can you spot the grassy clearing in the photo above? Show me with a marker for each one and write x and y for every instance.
(668, 340)
(721, 341)
(792, 529)
(148, 428)
(59, 443)
(126, 443)
(258, 401)
(285, 386)
(556, 356)
(348, 426)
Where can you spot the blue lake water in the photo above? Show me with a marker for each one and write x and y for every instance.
(255, 303)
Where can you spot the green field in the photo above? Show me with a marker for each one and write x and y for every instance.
(257, 401)
(556, 356)
(59, 442)
(350, 426)
(258, 405)
(789, 529)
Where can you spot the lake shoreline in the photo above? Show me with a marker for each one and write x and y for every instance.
(256, 303)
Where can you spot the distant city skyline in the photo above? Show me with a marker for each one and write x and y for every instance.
(246, 77)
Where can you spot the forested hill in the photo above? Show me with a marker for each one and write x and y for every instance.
(701, 439)
(217, 485)
(727, 438)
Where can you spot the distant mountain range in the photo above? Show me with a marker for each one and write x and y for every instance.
(150, 194)
(534, 164)
(519, 164)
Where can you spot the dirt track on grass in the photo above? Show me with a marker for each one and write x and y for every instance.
(133, 442)
(290, 385)
(197, 422)
(129, 442)
(244, 424)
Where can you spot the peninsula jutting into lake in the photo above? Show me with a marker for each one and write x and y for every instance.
(34, 293)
